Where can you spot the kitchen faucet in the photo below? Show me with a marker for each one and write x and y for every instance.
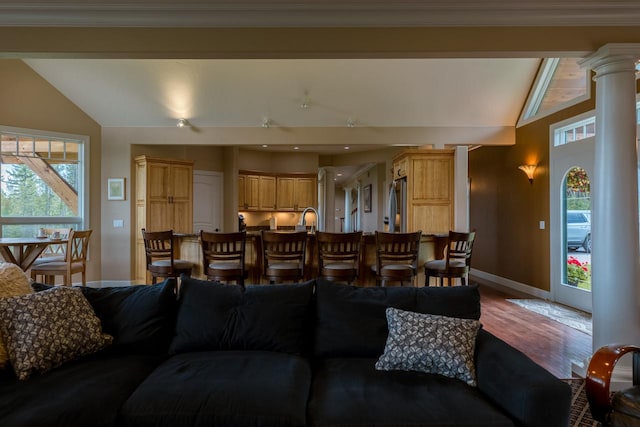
(303, 222)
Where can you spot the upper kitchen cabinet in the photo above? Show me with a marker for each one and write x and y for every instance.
(256, 192)
(430, 189)
(294, 193)
(164, 200)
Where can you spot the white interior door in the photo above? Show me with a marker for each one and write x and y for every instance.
(207, 201)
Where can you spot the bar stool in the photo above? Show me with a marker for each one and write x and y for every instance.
(159, 251)
(457, 262)
(223, 256)
(396, 257)
(283, 255)
(339, 255)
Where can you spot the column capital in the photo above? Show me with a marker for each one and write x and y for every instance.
(613, 57)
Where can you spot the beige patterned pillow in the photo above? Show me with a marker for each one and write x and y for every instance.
(46, 329)
(13, 282)
(430, 343)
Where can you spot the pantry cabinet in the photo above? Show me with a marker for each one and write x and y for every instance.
(164, 200)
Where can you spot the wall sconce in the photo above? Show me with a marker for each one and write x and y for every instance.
(529, 170)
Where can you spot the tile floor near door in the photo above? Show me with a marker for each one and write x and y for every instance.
(549, 343)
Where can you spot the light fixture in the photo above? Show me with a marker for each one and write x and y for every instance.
(351, 123)
(182, 123)
(266, 122)
(306, 102)
(347, 147)
(529, 170)
(296, 148)
(264, 145)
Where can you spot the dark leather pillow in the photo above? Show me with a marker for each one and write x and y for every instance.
(213, 316)
(140, 318)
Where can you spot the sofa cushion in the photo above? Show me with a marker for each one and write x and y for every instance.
(213, 316)
(13, 282)
(350, 392)
(140, 318)
(86, 392)
(46, 329)
(351, 321)
(430, 343)
(224, 388)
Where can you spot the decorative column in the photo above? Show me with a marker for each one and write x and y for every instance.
(327, 199)
(615, 257)
(347, 210)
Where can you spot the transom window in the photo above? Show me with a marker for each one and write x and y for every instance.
(575, 131)
(42, 182)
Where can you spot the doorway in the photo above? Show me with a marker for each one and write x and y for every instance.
(570, 234)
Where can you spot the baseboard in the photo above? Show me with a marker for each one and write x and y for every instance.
(498, 282)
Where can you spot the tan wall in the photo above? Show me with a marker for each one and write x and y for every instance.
(28, 101)
(505, 209)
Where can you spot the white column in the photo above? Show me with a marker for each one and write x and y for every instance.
(330, 200)
(347, 209)
(461, 189)
(614, 224)
(358, 224)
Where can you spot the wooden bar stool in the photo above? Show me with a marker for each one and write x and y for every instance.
(223, 256)
(283, 255)
(159, 251)
(339, 255)
(396, 257)
(457, 261)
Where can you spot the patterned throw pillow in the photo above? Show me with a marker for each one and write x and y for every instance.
(13, 282)
(429, 343)
(45, 329)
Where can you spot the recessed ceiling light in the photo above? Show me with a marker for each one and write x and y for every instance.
(338, 174)
(296, 148)
(264, 145)
(347, 148)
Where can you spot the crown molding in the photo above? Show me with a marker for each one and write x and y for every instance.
(286, 13)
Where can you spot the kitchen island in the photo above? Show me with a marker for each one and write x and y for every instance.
(431, 247)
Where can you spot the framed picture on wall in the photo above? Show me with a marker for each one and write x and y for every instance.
(115, 189)
(366, 198)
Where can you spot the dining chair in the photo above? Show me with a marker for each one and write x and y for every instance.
(457, 260)
(223, 256)
(75, 260)
(160, 253)
(283, 255)
(339, 255)
(54, 252)
(396, 257)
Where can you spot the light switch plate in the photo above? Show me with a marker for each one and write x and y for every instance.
(542, 225)
(118, 223)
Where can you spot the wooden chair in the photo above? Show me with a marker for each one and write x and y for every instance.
(339, 255)
(223, 256)
(159, 251)
(396, 257)
(75, 261)
(283, 255)
(457, 261)
(54, 252)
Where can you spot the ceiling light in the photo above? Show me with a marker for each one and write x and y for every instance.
(351, 123)
(266, 122)
(264, 145)
(182, 123)
(306, 102)
(338, 174)
(347, 147)
(296, 148)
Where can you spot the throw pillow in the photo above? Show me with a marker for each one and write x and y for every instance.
(430, 343)
(13, 282)
(46, 329)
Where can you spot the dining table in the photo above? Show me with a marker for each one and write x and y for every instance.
(23, 251)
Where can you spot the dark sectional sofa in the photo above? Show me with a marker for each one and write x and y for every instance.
(284, 355)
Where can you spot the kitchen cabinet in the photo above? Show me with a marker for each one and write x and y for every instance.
(296, 193)
(164, 201)
(256, 192)
(270, 192)
(430, 189)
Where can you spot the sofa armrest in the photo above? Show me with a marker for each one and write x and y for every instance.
(531, 395)
(599, 376)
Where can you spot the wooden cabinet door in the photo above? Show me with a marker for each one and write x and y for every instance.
(252, 192)
(432, 179)
(181, 183)
(242, 201)
(286, 193)
(306, 193)
(267, 193)
(158, 181)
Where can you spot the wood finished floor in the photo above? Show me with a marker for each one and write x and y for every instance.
(549, 343)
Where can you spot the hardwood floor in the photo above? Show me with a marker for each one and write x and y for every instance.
(549, 343)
